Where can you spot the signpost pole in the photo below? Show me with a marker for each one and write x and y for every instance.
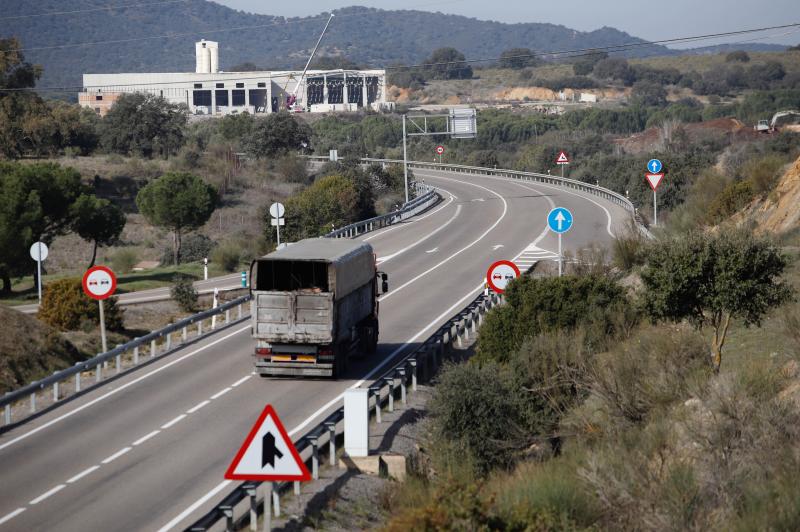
(655, 213)
(562, 169)
(405, 157)
(39, 271)
(102, 327)
(278, 229)
(559, 255)
(268, 507)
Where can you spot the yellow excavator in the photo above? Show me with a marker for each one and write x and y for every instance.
(771, 126)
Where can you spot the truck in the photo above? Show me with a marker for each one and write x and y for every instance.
(314, 306)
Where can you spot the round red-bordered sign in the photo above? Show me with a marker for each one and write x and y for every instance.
(99, 282)
(500, 274)
(440, 149)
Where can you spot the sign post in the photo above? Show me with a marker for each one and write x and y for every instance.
(500, 274)
(562, 160)
(559, 220)
(440, 151)
(654, 180)
(276, 210)
(39, 253)
(268, 455)
(100, 283)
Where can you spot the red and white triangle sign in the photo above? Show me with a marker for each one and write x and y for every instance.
(268, 453)
(562, 158)
(654, 180)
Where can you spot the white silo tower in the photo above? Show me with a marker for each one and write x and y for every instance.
(203, 65)
(214, 56)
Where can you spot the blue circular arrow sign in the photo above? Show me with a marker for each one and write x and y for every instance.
(654, 166)
(559, 220)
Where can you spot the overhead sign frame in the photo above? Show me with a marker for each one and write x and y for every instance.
(267, 414)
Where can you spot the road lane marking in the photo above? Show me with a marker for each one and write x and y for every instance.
(173, 422)
(87, 471)
(45, 495)
(116, 455)
(471, 244)
(222, 392)
(240, 381)
(414, 219)
(197, 407)
(146, 437)
(197, 504)
(381, 260)
(12, 515)
(117, 390)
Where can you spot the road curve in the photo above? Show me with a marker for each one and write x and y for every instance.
(148, 451)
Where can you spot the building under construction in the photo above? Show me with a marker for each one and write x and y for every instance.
(207, 91)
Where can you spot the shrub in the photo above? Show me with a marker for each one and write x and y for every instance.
(735, 197)
(292, 168)
(66, 307)
(737, 56)
(184, 293)
(194, 248)
(124, 260)
(628, 249)
(227, 256)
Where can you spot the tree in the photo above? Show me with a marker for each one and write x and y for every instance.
(277, 134)
(331, 200)
(236, 127)
(178, 201)
(19, 106)
(649, 94)
(712, 279)
(448, 63)
(614, 68)
(35, 203)
(145, 125)
(737, 56)
(518, 58)
(98, 221)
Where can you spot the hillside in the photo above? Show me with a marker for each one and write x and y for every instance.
(778, 213)
(367, 36)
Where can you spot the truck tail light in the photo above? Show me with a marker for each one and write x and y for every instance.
(325, 352)
(263, 351)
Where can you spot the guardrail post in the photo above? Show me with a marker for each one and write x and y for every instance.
(200, 328)
(390, 382)
(152, 348)
(239, 307)
(296, 487)
(402, 372)
(460, 335)
(33, 403)
(331, 426)
(314, 457)
(185, 334)
(78, 381)
(118, 362)
(227, 316)
(227, 511)
(55, 389)
(99, 373)
(276, 501)
(376, 391)
(250, 489)
(169, 341)
(413, 362)
(136, 355)
(8, 412)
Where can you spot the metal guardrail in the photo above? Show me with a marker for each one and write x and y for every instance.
(164, 336)
(422, 362)
(596, 190)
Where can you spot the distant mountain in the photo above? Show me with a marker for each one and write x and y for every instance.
(723, 48)
(366, 36)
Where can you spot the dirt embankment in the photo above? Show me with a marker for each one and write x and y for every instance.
(779, 212)
(654, 138)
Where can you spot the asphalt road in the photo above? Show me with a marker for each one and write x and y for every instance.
(224, 282)
(148, 451)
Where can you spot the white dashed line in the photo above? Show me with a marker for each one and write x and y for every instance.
(12, 515)
(237, 383)
(221, 392)
(43, 496)
(197, 407)
(83, 473)
(170, 423)
(116, 455)
(146, 437)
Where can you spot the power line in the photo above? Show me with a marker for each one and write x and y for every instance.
(569, 54)
(106, 8)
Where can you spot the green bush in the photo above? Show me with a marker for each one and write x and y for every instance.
(194, 248)
(66, 307)
(124, 260)
(228, 256)
(184, 293)
(735, 197)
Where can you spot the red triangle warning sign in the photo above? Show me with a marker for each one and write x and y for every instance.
(654, 180)
(562, 158)
(268, 453)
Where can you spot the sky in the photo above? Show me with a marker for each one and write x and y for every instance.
(646, 19)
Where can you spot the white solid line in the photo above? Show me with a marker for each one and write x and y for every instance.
(382, 260)
(197, 407)
(116, 455)
(123, 387)
(174, 421)
(146, 437)
(414, 219)
(43, 496)
(83, 473)
(237, 383)
(426, 272)
(219, 487)
(221, 392)
(12, 515)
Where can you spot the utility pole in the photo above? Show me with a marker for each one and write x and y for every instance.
(405, 157)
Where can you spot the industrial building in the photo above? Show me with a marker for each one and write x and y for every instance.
(207, 91)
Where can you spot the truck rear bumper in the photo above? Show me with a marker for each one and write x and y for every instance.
(294, 369)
